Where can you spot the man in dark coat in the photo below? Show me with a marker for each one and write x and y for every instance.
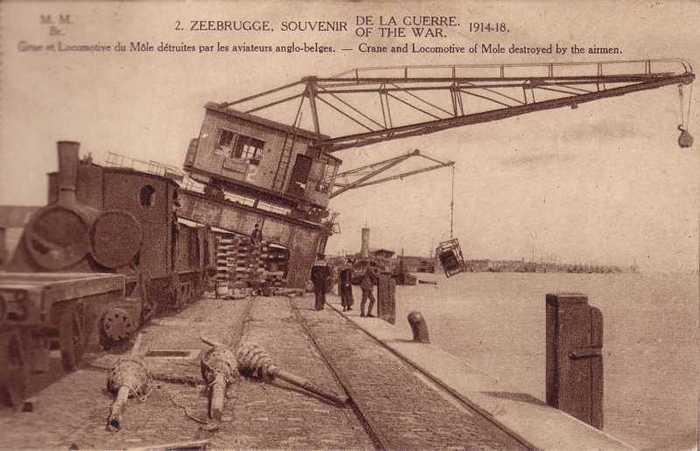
(367, 283)
(256, 236)
(320, 276)
(345, 286)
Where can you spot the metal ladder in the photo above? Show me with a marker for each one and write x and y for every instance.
(285, 160)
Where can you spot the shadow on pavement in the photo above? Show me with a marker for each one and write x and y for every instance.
(521, 397)
(284, 386)
(403, 340)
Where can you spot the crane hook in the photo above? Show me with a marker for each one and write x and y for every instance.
(685, 139)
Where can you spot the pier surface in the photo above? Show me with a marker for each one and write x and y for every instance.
(394, 403)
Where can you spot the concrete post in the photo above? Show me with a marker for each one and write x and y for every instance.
(574, 361)
(418, 327)
(386, 298)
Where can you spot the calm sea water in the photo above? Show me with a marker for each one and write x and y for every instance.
(496, 322)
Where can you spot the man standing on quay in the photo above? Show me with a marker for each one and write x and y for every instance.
(367, 285)
(256, 236)
(345, 286)
(320, 276)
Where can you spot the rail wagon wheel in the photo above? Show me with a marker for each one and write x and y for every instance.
(72, 336)
(14, 372)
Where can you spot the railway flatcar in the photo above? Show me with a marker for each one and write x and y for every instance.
(102, 258)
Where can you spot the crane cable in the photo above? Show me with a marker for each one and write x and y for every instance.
(452, 203)
(685, 111)
(685, 139)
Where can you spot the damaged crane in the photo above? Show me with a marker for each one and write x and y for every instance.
(246, 153)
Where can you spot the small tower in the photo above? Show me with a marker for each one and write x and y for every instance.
(364, 250)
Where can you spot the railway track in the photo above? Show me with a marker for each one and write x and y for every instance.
(373, 432)
(398, 406)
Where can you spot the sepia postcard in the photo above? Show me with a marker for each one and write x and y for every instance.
(349, 224)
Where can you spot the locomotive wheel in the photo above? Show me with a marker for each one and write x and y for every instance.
(72, 337)
(15, 374)
(116, 326)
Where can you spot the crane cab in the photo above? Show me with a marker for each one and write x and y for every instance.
(261, 159)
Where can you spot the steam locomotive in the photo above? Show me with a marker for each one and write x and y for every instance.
(106, 255)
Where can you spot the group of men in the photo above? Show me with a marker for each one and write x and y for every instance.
(321, 278)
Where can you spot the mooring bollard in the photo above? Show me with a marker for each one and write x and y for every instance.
(386, 298)
(574, 364)
(419, 327)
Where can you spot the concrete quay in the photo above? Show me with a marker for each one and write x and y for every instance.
(530, 420)
(403, 395)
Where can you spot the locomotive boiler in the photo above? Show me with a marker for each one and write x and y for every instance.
(104, 256)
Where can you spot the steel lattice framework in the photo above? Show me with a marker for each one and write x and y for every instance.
(371, 105)
(360, 177)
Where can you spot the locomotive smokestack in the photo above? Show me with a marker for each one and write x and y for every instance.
(364, 250)
(68, 152)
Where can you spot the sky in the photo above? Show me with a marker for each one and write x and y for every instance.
(605, 183)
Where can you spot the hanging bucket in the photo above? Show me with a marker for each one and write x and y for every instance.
(685, 139)
(451, 259)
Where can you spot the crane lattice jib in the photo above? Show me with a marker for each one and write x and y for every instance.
(369, 105)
